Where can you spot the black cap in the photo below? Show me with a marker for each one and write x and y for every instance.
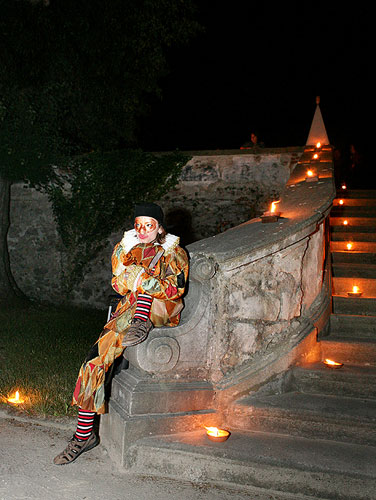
(149, 210)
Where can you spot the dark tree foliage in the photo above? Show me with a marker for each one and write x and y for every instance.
(101, 59)
(96, 197)
(75, 75)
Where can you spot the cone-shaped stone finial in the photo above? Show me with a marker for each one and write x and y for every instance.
(317, 132)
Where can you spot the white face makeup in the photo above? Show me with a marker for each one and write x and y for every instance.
(146, 228)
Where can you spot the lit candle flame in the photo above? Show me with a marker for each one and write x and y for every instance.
(309, 173)
(16, 398)
(345, 222)
(318, 145)
(355, 289)
(315, 156)
(340, 202)
(330, 362)
(272, 206)
(343, 186)
(349, 246)
(214, 431)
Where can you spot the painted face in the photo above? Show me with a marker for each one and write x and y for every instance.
(146, 228)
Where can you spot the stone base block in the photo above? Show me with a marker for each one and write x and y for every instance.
(142, 407)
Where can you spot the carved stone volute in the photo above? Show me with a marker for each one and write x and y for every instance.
(202, 268)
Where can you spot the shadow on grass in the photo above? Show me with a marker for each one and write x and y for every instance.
(41, 350)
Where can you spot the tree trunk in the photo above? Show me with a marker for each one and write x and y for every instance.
(8, 287)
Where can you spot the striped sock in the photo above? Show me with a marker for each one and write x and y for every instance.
(144, 302)
(84, 425)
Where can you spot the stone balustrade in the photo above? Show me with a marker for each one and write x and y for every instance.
(258, 295)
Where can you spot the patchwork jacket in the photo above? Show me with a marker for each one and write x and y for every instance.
(160, 270)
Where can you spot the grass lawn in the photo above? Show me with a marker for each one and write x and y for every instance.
(41, 351)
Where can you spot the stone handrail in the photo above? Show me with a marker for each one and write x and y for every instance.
(252, 289)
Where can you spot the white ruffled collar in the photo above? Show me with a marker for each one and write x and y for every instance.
(130, 240)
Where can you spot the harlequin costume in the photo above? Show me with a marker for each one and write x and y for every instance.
(159, 270)
(130, 263)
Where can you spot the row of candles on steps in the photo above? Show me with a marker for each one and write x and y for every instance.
(311, 174)
(272, 215)
(213, 433)
(349, 247)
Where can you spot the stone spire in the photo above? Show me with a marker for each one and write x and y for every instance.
(317, 132)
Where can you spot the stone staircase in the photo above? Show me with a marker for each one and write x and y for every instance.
(312, 433)
(353, 322)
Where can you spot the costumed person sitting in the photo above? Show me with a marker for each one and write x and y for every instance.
(150, 271)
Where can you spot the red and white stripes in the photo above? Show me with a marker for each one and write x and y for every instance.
(144, 302)
(85, 424)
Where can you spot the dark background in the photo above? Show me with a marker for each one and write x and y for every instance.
(260, 67)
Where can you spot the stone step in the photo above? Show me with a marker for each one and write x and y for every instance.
(354, 257)
(362, 306)
(349, 381)
(349, 351)
(357, 246)
(307, 415)
(353, 202)
(355, 224)
(354, 269)
(353, 326)
(342, 285)
(340, 233)
(354, 211)
(288, 468)
(357, 193)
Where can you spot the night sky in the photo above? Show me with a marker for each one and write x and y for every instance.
(260, 68)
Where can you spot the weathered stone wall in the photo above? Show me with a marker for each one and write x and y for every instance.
(216, 191)
(34, 244)
(36, 254)
(219, 191)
